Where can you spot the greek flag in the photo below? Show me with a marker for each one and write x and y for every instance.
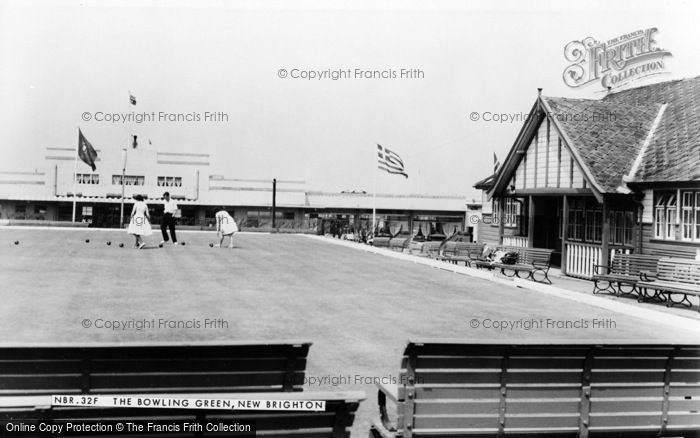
(390, 161)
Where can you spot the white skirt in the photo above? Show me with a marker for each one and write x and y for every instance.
(139, 226)
(228, 227)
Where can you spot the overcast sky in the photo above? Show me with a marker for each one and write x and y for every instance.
(61, 59)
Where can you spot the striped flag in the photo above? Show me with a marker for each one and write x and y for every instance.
(85, 151)
(496, 163)
(390, 161)
(132, 99)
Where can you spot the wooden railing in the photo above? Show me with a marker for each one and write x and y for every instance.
(582, 257)
(518, 241)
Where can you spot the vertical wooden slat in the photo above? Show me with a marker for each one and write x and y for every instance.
(503, 393)
(667, 390)
(605, 244)
(565, 222)
(409, 403)
(559, 163)
(585, 405)
(531, 222)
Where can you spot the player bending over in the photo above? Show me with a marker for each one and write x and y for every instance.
(225, 226)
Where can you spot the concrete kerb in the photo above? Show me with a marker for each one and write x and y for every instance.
(677, 322)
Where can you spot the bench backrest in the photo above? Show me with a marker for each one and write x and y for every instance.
(490, 389)
(381, 241)
(155, 368)
(679, 270)
(334, 422)
(463, 249)
(539, 256)
(401, 241)
(633, 264)
(428, 248)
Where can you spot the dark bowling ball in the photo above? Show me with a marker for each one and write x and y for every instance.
(109, 243)
(87, 240)
(211, 245)
(121, 245)
(160, 245)
(16, 242)
(183, 243)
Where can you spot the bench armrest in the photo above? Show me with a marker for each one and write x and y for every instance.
(598, 268)
(384, 392)
(647, 275)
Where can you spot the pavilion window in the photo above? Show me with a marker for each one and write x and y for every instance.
(690, 216)
(665, 215)
(511, 212)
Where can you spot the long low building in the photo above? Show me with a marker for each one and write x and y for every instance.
(48, 194)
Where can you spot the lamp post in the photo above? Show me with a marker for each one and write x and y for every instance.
(121, 210)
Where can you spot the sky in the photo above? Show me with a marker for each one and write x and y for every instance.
(60, 60)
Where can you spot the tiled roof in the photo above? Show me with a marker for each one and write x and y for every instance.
(607, 136)
(674, 152)
(611, 137)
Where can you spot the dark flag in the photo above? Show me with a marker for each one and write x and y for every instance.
(390, 161)
(132, 99)
(496, 163)
(134, 143)
(85, 151)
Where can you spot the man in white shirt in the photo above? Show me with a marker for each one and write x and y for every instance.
(168, 221)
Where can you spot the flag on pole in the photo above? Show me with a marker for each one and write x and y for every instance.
(496, 163)
(85, 151)
(132, 99)
(390, 161)
(134, 143)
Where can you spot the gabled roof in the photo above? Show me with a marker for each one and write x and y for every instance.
(607, 136)
(674, 151)
(641, 135)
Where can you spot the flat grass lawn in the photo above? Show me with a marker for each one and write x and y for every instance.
(357, 308)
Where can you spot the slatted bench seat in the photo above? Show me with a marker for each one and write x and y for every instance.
(230, 369)
(624, 270)
(533, 261)
(333, 422)
(542, 389)
(154, 367)
(675, 276)
(455, 252)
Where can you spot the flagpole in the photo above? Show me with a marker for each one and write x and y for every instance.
(75, 171)
(374, 199)
(121, 209)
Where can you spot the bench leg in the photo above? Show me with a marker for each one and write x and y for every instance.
(514, 274)
(622, 292)
(545, 275)
(645, 296)
(608, 288)
(670, 301)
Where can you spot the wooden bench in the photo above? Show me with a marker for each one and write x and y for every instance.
(455, 252)
(534, 261)
(149, 367)
(624, 270)
(675, 276)
(429, 249)
(400, 241)
(381, 241)
(542, 389)
(29, 374)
